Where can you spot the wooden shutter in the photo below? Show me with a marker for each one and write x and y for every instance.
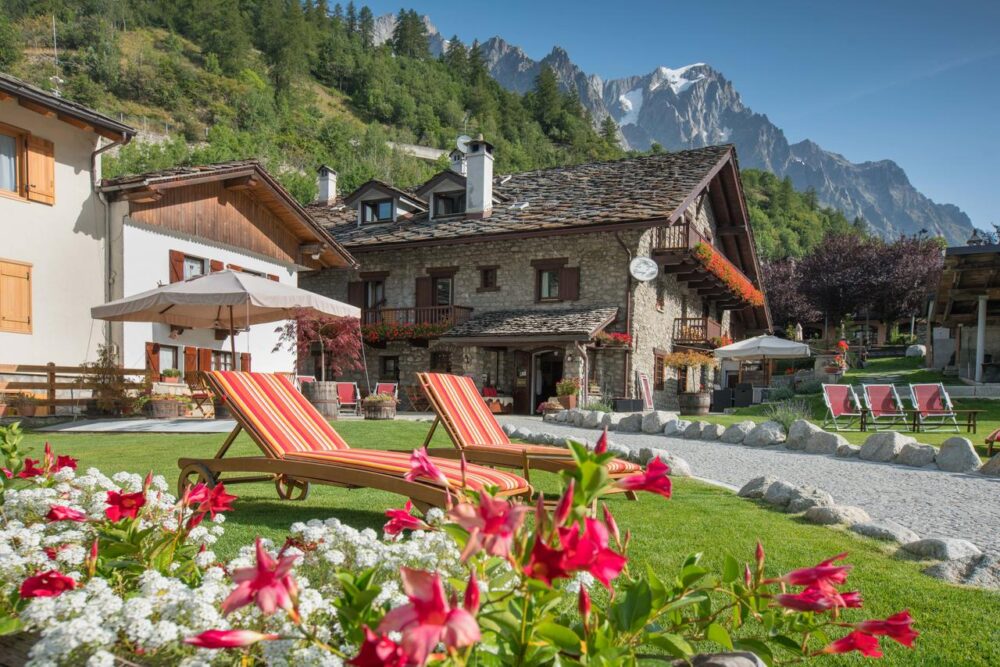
(41, 170)
(15, 297)
(216, 265)
(245, 362)
(176, 266)
(204, 359)
(658, 374)
(569, 283)
(273, 277)
(356, 293)
(234, 267)
(425, 292)
(153, 361)
(191, 365)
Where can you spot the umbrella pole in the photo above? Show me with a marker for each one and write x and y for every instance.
(232, 336)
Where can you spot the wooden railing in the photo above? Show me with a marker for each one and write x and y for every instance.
(53, 379)
(696, 329)
(679, 236)
(417, 315)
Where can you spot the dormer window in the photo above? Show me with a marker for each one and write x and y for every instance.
(377, 211)
(449, 203)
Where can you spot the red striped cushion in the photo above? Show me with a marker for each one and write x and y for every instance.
(463, 411)
(277, 411)
(398, 464)
(615, 466)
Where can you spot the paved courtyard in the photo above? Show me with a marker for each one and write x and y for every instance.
(931, 502)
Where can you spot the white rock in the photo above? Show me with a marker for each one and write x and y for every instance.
(549, 417)
(675, 427)
(825, 443)
(886, 530)
(884, 446)
(678, 466)
(693, 431)
(806, 497)
(799, 433)
(620, 451)
(780, 493)
(837, 514)
(631, 423)
(562, 415)
(508, 428)
(847, 450)
(593, 419)
(992, 467)
(654, 421)
(737, 432)
(957, 455)
(610, 420)
(757, 487)
(916, 351)
(980, 571)
(522, 433)
(942, 548)
(916, 455)
(765, 435)
(712, 431)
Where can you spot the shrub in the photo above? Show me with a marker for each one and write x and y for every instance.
(810, 387)
(781, 394)
(568, 387)
(788, 411)
(599, 406)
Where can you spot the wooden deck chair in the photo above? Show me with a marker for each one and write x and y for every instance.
(933, 406)
(884, 405)
(300, 447)
(476, 434)
(416, 398)
(390, 388)
(842, 404)
(349, 397)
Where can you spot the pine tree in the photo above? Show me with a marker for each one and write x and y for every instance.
(366, 26)
(409, 38)
(547, 100)
(456, 57)
(338, 13)
(609, 131)
(351, 18)
(477, 66)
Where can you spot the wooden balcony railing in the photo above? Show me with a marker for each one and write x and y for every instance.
(680, 236)
(418, 315)
(696, 330)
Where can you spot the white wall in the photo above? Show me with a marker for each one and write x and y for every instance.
(145, 261)
(64, 244)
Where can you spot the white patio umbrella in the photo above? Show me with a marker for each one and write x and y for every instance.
(763, 348)
(223, 300)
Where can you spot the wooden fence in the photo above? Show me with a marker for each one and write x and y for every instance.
(53, 379)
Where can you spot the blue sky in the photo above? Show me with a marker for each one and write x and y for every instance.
(914, 81)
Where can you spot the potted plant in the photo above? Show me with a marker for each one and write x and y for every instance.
(25, 404)
(379, 406)
(697, 402)
(163, 406)
(612, 339)
(170, 376)
(548, 407)
(566, 392)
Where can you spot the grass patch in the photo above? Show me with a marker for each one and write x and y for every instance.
(910, 370)
(958, 625)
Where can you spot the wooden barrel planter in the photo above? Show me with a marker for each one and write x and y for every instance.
(379, 409)
(323, 395)
(694, 403)
(161, 409)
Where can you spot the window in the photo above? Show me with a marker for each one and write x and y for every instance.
(27, 166)
(389, 369)
(449, 203)
(442, 288)
(376, 211)
(10, 161)
(374, 294)
(488, 279)
(168, 357)
(548, 284)
(659, 371)
(15, 297)
(193, 266)
(222, 361)
(554, 281)
(440, 362)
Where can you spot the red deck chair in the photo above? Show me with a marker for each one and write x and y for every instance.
(390, 388)
(884, 405)
(933, 406)
(349, 397)
(842, 404)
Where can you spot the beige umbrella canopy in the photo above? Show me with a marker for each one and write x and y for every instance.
(222, 300)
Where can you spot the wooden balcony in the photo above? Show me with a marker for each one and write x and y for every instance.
(697, 331)
(440, 315)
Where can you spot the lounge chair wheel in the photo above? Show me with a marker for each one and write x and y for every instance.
(193, 474)
(290, 488)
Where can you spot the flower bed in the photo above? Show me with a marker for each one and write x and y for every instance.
(724, 270)
(380, 333)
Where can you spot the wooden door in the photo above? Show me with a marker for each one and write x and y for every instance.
(522, 383)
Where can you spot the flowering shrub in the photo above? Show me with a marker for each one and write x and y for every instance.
(568, 387)
(724, 270)
(377, 333)
(720, 341)
(613, 338)
(689, 359)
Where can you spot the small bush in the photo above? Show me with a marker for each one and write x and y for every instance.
(788, 411)
(599, 406)
(811, 387)
(781, 394)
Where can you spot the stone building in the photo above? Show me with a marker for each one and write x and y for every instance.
(522, 280)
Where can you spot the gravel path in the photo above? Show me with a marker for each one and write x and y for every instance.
(931, 502)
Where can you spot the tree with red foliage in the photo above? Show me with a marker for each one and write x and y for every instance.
(838, 276)
(339, 340)
(782, 280)
(908, 269)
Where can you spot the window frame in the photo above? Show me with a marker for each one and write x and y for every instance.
(484, 285)
(20, 161)
(219, 355)
(384, 373)
(455, 196)
(373, 205)
(539, 282)
(435, 280)
(184, 266)
(553, 265)
(176, 354)
(370, 285)
(659, 370)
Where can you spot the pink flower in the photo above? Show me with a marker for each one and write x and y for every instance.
(209, 501)
(824, 576)
(588, 551)
(428, 618)
(379, 651)
(565, 505)
(583, 604)
(898, 627)
(30, 469)
(612, 525)
(122, 505)
(811, 599)
(545, 563)
(855, 641)
(852, 599)
(228, 638)
(400, 520)
(63, 513)
(654, 479)
(602, 442)
(269, 584)
(47, 585)
(422, 466)
(491, 525)
(471, 599)
(65, 461)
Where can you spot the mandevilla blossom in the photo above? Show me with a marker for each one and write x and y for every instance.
(491, 524)
(471, 598)
(30, 469)
(852, 599)
(898, 627)
(269, 584)
(588, 551)
(422, 466)
(824, 576)
(124, 505)
(811, 599)
(379, 651)
(855, 641)
(428, 618)
(228, 638)
(545, 563)
(65, 461)
(583, 604)
(612, 525)
(654, 479)
(565, 505)
(63, 513)
(208, 501)
(601, 446)
(47, 585)
(402, 519)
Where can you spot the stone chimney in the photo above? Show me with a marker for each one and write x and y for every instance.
(326, 180)
(457, 158)
(479, 178)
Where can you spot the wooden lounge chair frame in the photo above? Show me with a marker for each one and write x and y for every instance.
(416, 397)
(292, 477)
(926, 419)
(897, 417)
(851, 417)
(518, 458)
(355, 407)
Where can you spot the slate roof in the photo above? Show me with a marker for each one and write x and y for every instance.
(627, 190)
(183, 172)
(23, 89)
(579, 323)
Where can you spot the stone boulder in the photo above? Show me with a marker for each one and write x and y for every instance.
(957, 455)
(578, 415)
(847, 450)
(886, 530)
(916, 351)
(522, 433)
(562, 415)
(807, 497)
(735, 659)
(799, 433)
(620, 451)
(757, 487)
(610, 420)
(980, 571)
(942, 548)
(654, 421)
(694, 429)
(916, 455)
(825, 443)
(508, 428)
(780, 493)
(675, 427)
(765, 435)
(712, 431)
(631, 423)
(884, 446)
(837, 514)
(992, 467)
(737, 433)
(593, 418)
(549, 417)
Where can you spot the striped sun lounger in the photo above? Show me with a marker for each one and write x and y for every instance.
(301, 447)
(476, 434)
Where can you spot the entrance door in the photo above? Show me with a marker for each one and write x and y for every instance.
(522, 378)
(548, 371)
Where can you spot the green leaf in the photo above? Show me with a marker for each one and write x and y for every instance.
(730, 569)
(560, 635)
(633, 611)
(718, 634)
(692, 574)
(673, 644)
(9, 625)
(762, 650)
(788, 643)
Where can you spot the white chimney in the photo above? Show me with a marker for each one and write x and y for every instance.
(479, 178)
(457, 158)
(326, 180)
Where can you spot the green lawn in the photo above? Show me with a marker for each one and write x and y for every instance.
(909, 369)
(959, 626)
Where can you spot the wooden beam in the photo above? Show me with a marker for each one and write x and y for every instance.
(973, 293)
(4, 96)
(76, 122)
(730, 231)
(37, 108)
(247, 182)
(144, 195)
